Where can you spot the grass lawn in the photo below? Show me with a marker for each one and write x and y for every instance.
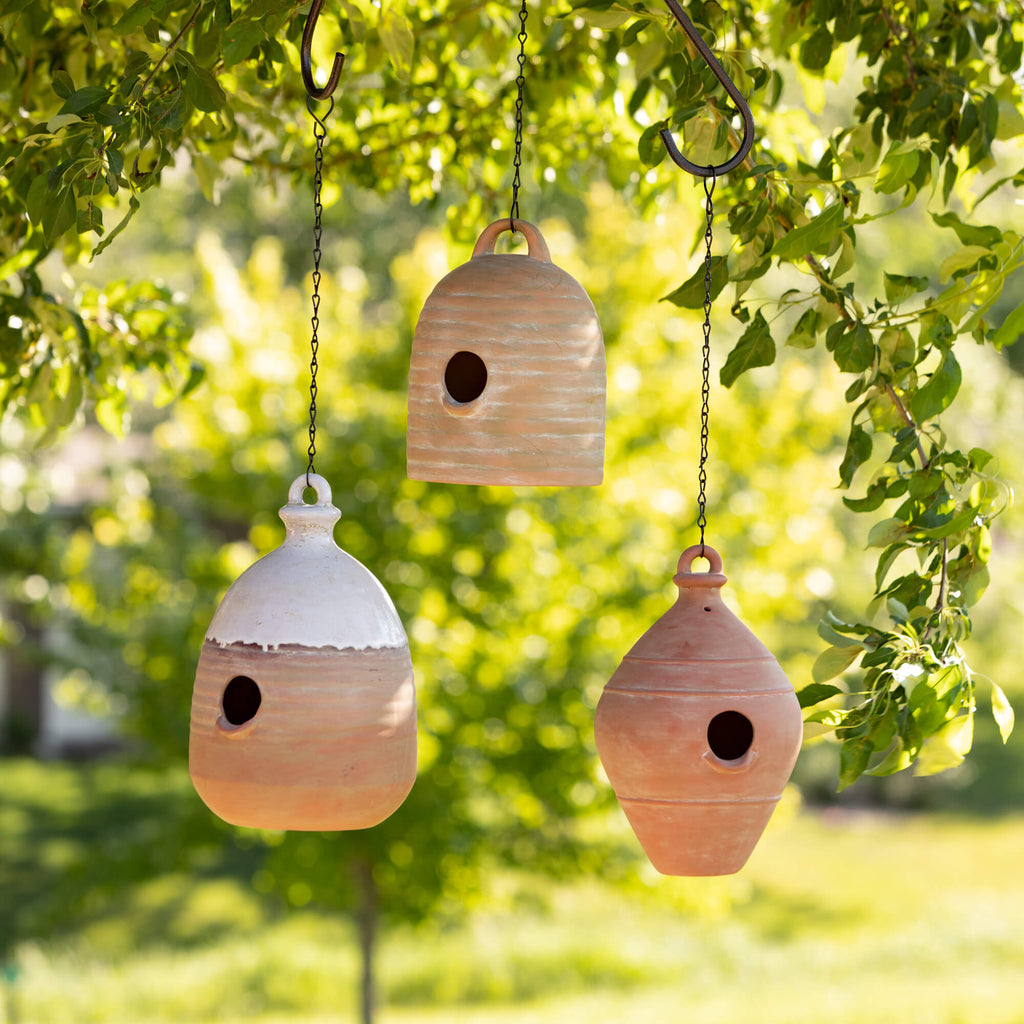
(838, 917)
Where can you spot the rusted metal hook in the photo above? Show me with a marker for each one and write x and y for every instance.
(306, 58)
(741, 105)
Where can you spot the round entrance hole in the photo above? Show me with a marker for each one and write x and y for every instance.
(241, 700)
(465, 377)
(730, 735)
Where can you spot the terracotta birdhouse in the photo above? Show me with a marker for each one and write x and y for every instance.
(698, 731)
(507, 379)
(304, 711)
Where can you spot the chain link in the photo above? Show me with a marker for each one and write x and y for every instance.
(705, 391)
(319, 134)
(517, 160)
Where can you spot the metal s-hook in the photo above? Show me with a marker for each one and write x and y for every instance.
(306, 59)
(741, 105)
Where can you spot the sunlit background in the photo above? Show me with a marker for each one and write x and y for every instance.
(508, 887)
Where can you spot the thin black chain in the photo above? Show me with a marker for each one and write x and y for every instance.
(319, 134)
(517, 160)
(705, 391)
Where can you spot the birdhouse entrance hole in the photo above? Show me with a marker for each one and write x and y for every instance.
(241, 700)
(465, 377)
(730, 735)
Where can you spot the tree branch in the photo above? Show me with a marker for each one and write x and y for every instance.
(171, 47)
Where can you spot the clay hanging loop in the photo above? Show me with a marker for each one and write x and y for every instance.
(741, 105)
(306, 59)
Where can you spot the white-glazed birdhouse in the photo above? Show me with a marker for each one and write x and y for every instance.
(304, 710)
(507, 378)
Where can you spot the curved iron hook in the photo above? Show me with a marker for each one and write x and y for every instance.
(306, 59)
(741, 105)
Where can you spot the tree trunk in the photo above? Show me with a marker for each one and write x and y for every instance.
(20, 721)
(367, 913)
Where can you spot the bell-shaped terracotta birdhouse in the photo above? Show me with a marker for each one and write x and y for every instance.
(507, 379)
(304, 711)
(698, 731)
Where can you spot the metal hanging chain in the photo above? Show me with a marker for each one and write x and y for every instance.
(517, 160)
(319, 134)
(705, 391)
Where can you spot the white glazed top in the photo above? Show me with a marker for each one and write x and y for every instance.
(308, 591)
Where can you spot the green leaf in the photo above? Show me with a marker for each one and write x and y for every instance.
(60, 214)
(650, 147)
(938, 391)
(898, 166)
(899, 287)
(240, 39)
(965, 259)
(812, 237)
(896, 347)
(855, 350)
(59, 121)
(86, 101)
(1011, 330)
(815, 693)
(832, 662)
(858, 451)
(196, 376)
(888, 531)
(805, 333)
(896, 760)
(690, 294)
(975, 586)
(946, 748)
(63, 85)
(969, 234)
(397, 36)
(979, 458)
(876, 494)
(38, 198)
(816, 49)
(886, 561)
(139, 14)
(112, 414)
(755, 348)
(853, 760)
(203, 89)
(829, 634)
(1002, 712)
(133, 205)
(604, 17)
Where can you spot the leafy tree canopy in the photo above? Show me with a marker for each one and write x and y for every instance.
(102, 99)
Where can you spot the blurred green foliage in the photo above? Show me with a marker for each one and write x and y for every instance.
(130, 88)
(197, 944)
(518, 603)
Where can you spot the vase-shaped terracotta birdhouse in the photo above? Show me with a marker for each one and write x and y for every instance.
(304, 711)
(507, 379)
(698, 731)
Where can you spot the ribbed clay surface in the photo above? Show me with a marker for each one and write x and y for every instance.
(332, 745)
(694, 812)
(540, 417)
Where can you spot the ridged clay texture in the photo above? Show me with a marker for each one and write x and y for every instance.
(694, 811)
(540, 417)
(329, 742)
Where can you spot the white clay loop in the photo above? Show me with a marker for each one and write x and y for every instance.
(314, 480)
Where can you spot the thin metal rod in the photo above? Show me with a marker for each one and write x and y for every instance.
(306, 59)
(741, 105)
